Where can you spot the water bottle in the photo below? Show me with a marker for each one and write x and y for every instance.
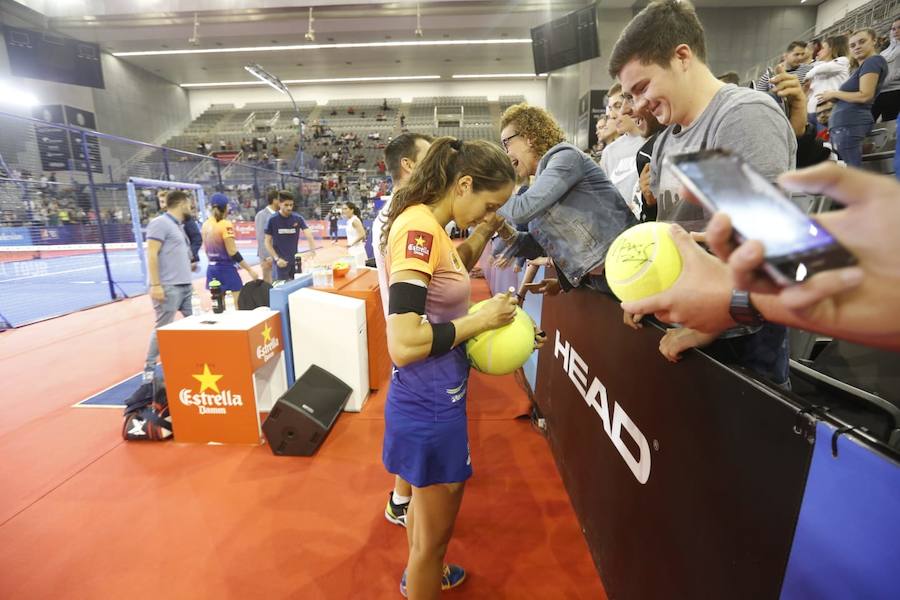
(298, 266)
(218, 297)
(196, 306)
(229, 301)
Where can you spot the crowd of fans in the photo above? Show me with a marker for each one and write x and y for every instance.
(816, 105)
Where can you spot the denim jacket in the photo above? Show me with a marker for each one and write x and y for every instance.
(572, 210)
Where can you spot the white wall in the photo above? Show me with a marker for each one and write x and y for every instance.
(834, 10)
(533, 90)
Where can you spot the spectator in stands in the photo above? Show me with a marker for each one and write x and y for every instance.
(333, 220)
(813, 47)
(829, 72)
(792, 61)
(260, 221)
(823, 114)
(169, 269)
(572, 210)
(402, 120)
(283, 237)
(851, 119)
(730, 77)
(887, 103)
(650, 129)
(660, 59)
(810, 149)
(618, 159)
(857, 303)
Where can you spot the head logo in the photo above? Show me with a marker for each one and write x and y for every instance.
(596, 398)
(267, 350)
(216, 403)
(418, 245)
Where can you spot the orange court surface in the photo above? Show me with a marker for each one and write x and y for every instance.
(84, 514)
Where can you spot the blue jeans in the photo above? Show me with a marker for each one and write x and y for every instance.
(847, 140)
(178, 299)
(897, 160)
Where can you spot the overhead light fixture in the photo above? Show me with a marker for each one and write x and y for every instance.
(194, 40)
(418, 32)
(14, 95)
(310, 33)
(310, 81)
(339, 46)
(266, 77)
(499, 76)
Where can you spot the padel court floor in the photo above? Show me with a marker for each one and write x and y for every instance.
(84, 514)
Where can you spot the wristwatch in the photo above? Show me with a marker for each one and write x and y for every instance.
(742, 310)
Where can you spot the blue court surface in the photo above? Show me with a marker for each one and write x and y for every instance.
(55, 284)
(115, 395)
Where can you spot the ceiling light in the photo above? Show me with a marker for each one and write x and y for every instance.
(499, 76)
(16, 96)
(309, 81)
(418, 32)
(338, 46)
(194, 40)
(310, 34)
(265, 77)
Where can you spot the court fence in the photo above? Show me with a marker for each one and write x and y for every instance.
(67, 229)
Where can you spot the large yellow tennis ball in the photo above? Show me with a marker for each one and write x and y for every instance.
(502, 351)
(642, 261)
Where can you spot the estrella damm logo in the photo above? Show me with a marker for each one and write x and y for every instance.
(267, 350)
(216, 403)
(418, 245)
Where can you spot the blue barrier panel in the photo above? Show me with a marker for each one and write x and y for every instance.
(846, 540)
(278, 300)
(532, 305)
(15, 236)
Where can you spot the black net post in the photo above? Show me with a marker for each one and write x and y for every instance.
(90, 175)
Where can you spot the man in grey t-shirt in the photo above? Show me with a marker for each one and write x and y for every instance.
(670, 78)
(262, 219)
(741, 120)
(169, 269)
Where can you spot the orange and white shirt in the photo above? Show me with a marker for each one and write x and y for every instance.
(417, 242)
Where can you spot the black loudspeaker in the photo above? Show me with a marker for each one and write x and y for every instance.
(303, 416)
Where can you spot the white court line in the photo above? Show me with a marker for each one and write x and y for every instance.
(79, 405)
(54, 273)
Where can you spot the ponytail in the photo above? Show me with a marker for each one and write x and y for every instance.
(447, 160)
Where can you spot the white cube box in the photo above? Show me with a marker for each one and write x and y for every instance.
(329, 330)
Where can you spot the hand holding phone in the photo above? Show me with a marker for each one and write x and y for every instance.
(796, 247)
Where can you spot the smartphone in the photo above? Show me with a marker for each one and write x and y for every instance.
(796, 246)
(782, 102)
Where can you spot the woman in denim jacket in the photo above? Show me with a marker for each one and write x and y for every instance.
(572, 210)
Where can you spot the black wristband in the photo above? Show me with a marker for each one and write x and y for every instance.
(236, 257)
(405, 297)
(443, 336)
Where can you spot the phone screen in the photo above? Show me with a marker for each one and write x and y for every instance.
(758, 210)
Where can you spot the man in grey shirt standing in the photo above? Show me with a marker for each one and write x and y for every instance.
(169, 267)
(660, 60)
(262, 219)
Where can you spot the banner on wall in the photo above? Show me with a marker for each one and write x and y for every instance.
(61, 149)
(690, 470)
(52, 142)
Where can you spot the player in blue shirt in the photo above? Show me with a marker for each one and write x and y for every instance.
(283, 236)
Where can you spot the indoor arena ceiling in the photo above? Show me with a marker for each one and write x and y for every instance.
(277, 34)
